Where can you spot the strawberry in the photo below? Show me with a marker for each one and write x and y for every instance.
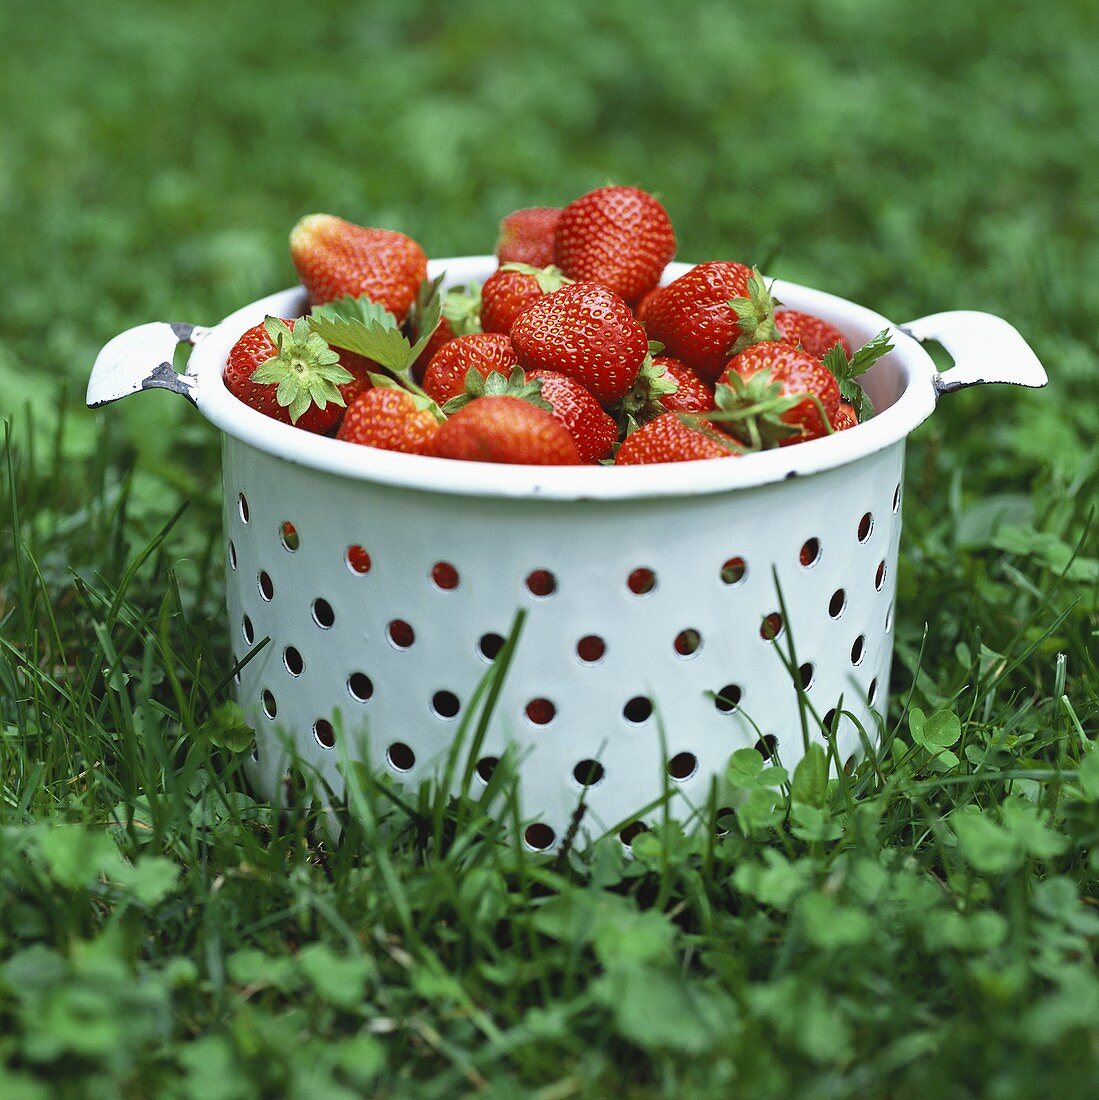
(511, 289)
(584, 331)
(505, 429)
(287, 372)
(776, 393)
(445, 376)
(669, 439)
(593, 431)
(389, 418)
(692, 396)
(643, 304)
(710, 313)
(845, 418)
(618, 236)
(526, 236)
(337, 259)
(814, 334)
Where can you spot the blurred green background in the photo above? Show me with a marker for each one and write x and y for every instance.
(912, 156)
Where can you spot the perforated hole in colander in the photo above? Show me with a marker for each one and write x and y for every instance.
(641, 581)
(247, 630)
(540, 712)
(324, 733)
(360, 687)
(444, 576)
(236, 670)
(489, 645)
(897, 499)
(683, 765)
(766, 745)
(292, 659)
(638, 709)
(810, 552)
(539, 836)
(771, 627)
(734, 571)
(728, 698)
(232, 555)
(805, 675)
(400, 757)
(866, 526)
(858, 650)
(266, 586)
(289, 537)
(879, 576)
(837, 603)
(889, 620)
(270, 706)
(632, 831)
(541, 583)
(589, 773)
(872, 692)
(591, 649)
(358, 560)
(242, 507)
(486, 766)
(400, 634)
(831, 720)
(323, 614)
(445, 704)
(687, 642)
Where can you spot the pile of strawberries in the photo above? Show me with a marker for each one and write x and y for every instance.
(569, 353)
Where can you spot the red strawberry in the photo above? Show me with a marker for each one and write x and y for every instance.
(618, 236)
(693, 394)
(445, 376)
(695, 321)
(511, 289)
(584, 331)
(845, 418)
(526, 236)
(505, 429)
(388, 418)
(814, 334)
(668, 439)
(335, 258)
(289, 375)
(593, 431)
(776, 383)
(643, 305)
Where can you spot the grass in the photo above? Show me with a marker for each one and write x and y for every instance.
(924, 927)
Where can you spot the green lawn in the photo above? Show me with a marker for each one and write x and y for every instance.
(925, 928)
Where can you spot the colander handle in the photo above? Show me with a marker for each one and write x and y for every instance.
(985, 348)
(141, 359)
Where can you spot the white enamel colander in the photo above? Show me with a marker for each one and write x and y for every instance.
(386, 583)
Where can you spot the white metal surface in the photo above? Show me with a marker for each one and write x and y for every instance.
(823, 518)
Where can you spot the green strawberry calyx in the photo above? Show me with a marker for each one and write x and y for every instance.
(549, 278)
(496, 384)
(462, 309)
(753, 410)
(304, 368)
(847, 370)
(755, 314)
(642, 402)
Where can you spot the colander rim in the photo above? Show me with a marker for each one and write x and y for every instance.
(916, 402)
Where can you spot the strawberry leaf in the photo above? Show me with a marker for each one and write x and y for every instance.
(847, 370)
